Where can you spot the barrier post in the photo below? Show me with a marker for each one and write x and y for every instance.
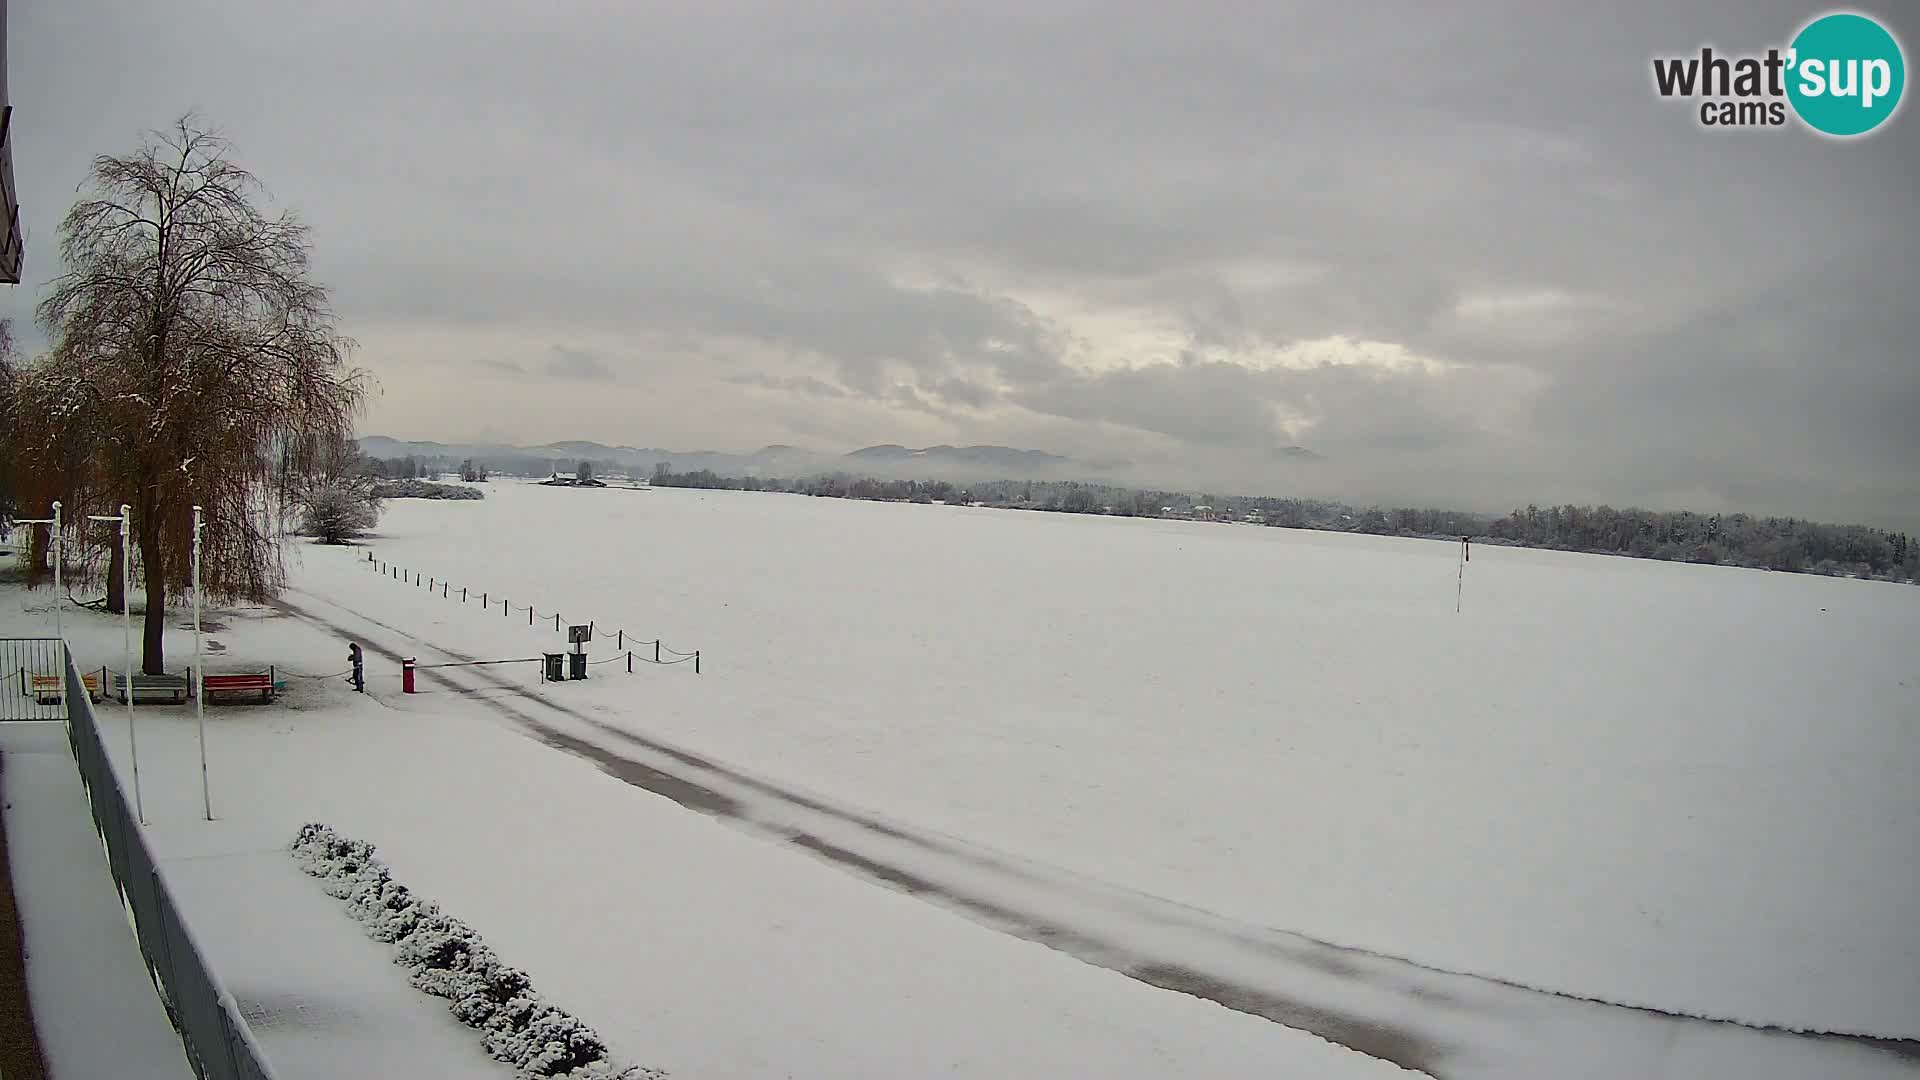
(696, 661)
(656, 650)
(406, 675)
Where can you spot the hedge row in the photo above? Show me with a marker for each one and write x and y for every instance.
(447, 959)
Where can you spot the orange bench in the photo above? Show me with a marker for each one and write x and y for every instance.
(52, 689)
(260, 682)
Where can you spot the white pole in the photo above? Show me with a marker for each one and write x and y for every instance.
(1460, 578)
(59, 594)
(58, 558)
(126, 632)
(125, 518)
(199, 677)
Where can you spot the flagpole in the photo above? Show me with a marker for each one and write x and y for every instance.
(199, 676)
(125, 518)
(59, 557)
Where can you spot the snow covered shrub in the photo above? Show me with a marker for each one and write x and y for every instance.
(340, 510)
(446, 958)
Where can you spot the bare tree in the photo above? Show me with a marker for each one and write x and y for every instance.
(195, 361)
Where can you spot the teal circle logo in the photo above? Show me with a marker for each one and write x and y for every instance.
(1845, 74)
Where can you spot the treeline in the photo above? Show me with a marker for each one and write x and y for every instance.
(1769, 543)
(413, 467)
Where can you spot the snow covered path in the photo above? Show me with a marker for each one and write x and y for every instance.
(93, 1002)
(1446, 1025)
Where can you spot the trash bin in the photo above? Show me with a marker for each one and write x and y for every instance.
(576, 665)
(554, 671)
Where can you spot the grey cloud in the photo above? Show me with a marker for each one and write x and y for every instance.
(569, 363)
(848, 199)
(796, 384)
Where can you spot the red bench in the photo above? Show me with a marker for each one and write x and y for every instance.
(261, 682)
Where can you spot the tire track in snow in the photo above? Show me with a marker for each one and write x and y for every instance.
(1444, 1024)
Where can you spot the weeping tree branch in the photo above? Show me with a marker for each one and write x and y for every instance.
(195, 361)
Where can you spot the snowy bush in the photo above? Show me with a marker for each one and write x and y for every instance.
(340, 510)
(446, 958)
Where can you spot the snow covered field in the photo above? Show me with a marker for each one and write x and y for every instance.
(1679, 786)
(1682, 787)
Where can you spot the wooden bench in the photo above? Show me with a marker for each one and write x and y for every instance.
(253, 682)
(170, 689)
(52, 689)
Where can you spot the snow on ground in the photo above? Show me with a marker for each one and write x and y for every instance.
(687, 944)
(1678, 786)
(1686, 787)
(94, 1006)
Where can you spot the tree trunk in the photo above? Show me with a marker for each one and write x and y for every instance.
(39, 547)
(116, 597)
(153, 658)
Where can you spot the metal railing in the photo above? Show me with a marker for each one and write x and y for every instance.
(33, 683)
(218, 1042)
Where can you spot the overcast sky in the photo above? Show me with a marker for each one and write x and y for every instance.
(1459, 249)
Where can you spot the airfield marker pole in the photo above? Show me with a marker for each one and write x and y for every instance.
(1460, 576)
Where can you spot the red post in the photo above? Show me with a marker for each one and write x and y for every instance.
(406, 675)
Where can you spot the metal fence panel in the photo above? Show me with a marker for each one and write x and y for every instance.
(218, 1042)
(33, 683)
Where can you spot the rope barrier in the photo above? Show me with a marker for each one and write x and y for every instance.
(298, 675)
(478, 663)
(666, 663)
(433, 583)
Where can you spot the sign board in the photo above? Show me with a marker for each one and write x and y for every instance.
(577, 635)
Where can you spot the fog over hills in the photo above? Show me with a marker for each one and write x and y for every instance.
(885, 460)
